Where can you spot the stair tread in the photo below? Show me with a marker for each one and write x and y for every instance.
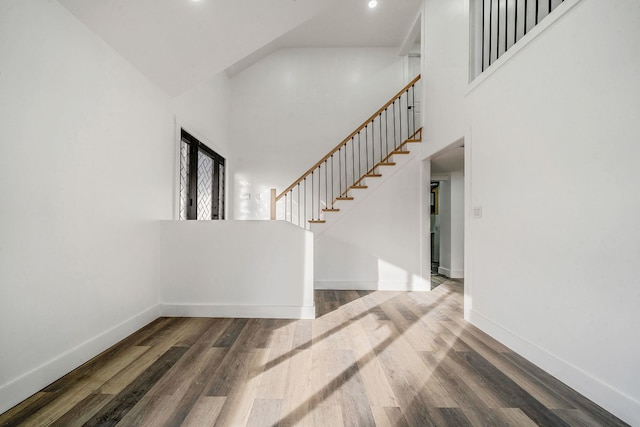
(358, 187)
(373, 175)
(317, 221)
(387, 164)
(413, 140)
(400, 152)
(344, 198)
(331, 210)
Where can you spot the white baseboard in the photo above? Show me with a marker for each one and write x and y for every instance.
(239, 311)
(335, 285)
(623, 406)
(452, 274)
(35, 380)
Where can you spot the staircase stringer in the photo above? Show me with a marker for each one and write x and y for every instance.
(346, 207)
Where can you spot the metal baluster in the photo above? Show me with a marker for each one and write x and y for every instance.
(498, 33)
(483, 14)
(412, 121)
(298, 204)
(346, 166)
(408, 108)
(526, 13)
(312, 195)
(537, 10)
(386, 130)
(326, 186)
(515, 24)
(395, 141)
(319, 191)
(506, 23)
(373, 146)
(490, 29)
(285, 207)
(413, 106)
(380, 134)
(359, 155)
(340, 169)
(400, 120)
(353, 160)
(332, 175)
(366, 146)
(409, 113)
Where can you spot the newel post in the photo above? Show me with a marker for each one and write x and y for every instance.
(273, 204)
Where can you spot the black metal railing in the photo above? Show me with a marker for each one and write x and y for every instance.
(342, 171)
(504, 22)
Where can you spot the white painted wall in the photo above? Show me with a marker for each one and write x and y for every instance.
(452, 226)
(292, 107)
(206, 110)
(551, 158)
(376, 244)
(445, 58)
(87, 165)
(85, 146)
(236, 269)
(444, 215)
(556, 185)
(457, 225)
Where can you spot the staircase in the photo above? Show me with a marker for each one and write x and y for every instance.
(363, 155)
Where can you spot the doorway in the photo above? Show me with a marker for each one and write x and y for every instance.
(435, 227)
(447, 188)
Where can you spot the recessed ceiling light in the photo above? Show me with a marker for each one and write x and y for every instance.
(373, 3)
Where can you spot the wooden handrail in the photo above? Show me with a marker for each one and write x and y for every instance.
(347, 139)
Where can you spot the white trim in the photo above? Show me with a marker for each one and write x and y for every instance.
(31, 382)
(238, 311)
(468, 225)
(612, 400)
(458, 143)
(341, 285)
(176, 170)
(425, 220)
(452, 274)
(545, 23)
(412, 34)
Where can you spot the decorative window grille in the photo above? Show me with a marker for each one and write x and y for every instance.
(201, 180)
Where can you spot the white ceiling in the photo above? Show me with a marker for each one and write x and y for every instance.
(350, 23)
(449, 161)
(180, 43)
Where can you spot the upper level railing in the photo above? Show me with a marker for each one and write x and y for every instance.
(499, 24)
(342, 170)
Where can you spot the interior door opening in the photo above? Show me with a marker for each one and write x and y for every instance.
(447, 222)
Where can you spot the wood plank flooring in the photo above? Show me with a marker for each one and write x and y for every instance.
(368, 359)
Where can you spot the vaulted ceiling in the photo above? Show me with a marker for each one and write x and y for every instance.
(180, 43)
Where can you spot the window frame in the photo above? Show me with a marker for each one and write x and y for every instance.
(196, 147)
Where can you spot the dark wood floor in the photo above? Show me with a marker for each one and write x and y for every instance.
(370, 358)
